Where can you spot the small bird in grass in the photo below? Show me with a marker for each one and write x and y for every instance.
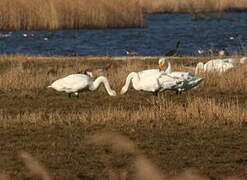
(174, 52)
(132, 52)
(223, 52)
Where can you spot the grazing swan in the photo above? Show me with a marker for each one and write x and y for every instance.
(76, 83)
(215, 65)
(152, 81)
(188, 80)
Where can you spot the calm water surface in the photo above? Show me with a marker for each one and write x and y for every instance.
(162, 33)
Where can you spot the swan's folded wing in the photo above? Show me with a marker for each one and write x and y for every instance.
(72, 82)
(168, 82)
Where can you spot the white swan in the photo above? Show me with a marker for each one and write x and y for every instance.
(216, 65)
(243, 60)
(158, 80)
(76, 83)
(150, 81)
(188, 80)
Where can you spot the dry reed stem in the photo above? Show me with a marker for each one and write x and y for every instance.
(34, 166)
(66, 14)
(4, 177)
(191, 6)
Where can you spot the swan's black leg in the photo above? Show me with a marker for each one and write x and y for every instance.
(178, 92)
(155, 93)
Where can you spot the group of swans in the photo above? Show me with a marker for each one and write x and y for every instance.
(151, 80)
(219, 65)
(158, 80)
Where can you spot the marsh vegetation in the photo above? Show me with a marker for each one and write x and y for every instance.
(82, 14)
(204, 128)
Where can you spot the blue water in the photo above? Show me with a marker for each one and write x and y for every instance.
(160, 35)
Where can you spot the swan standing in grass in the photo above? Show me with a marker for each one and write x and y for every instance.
(188, 80)
(76, 83)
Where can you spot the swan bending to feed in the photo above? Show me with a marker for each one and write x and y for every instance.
(188, 80)
(150, 81)
(76, 83)
(158, 80)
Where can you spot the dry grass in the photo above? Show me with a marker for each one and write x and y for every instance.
(218, 100)
(192, 6)
(137, 167)
(66, 14)
(79, 14)
(202, 128)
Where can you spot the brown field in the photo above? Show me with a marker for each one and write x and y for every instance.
(204, 129)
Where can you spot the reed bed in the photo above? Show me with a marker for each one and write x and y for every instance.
(66, 14)
(192, 6)
(202, 128)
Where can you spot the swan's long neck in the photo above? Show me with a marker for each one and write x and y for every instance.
(199, 68)
(95, 85)
(131, 77)
(169, 67)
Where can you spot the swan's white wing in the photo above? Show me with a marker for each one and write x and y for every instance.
(230, 60)
(186, 80)
(217, 66)
(149, 73)
(169, 83)
(71, 83)
(149, 83)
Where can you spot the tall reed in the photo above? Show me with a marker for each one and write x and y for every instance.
(192, 5)
(67, 14)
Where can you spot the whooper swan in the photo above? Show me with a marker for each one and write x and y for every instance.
(76, 83)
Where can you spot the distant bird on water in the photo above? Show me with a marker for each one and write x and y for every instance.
(223, 52)
(132, 52)
(174, 52)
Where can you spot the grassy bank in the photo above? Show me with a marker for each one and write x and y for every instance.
(66, 14)
(192, 6)
(204, 128)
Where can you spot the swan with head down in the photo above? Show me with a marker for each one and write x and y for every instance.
(76, 83)
(151, 80)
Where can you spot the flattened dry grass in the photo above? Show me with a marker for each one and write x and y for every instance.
(204, 128)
